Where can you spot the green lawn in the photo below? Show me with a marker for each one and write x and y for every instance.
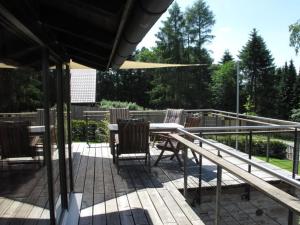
(282, 163)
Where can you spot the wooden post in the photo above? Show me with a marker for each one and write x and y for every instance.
(200, 174)
(218, 195)
(69, 127)
(295, 154)
(61, 137)
(47, 141)
(184, 172)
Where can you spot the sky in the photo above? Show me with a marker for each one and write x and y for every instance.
(235, 19)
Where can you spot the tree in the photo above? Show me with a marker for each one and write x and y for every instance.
(287, 85)
(227, 57)
(258, 72)
(200, 20)
(170, 37)
(20, 90)
(223, 86)
(146, 55)
(295, 35)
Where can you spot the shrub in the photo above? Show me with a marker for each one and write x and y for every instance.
(97, 130)
(106, 104)
(277, 149)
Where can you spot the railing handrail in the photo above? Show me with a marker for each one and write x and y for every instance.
(293, 182)
(269, 127)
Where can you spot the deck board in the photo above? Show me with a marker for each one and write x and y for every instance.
(132, 196)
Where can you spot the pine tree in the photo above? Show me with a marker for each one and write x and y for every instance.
(223, 86)
(200, 20)
(170, 43)
(227, 57)
(259, 74)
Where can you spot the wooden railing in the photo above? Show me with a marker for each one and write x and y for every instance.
(286, 199)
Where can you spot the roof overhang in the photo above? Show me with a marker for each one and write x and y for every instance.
(93, 33)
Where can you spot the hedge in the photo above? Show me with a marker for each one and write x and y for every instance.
(277, 149)
(107, 104)
(97, 130)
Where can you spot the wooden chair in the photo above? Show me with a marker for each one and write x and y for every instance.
(169, 144)
(172, 116)
(118, 113)
(15, 140)
(133, 139)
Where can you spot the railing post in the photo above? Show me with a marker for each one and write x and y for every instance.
(295, 154)
(185, 172)
(248, 188)
(218, 194)
(87, 129)
(268, 148)
(293, 218)
(200, 174)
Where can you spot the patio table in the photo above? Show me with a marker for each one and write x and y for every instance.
(154, 127)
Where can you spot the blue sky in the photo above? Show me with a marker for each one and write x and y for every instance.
(236, 18)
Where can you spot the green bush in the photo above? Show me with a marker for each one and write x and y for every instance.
(97, 130)
(277, 149)
(106, 104)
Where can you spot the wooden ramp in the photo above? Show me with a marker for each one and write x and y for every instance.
(133, 196)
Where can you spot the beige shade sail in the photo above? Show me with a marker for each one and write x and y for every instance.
(5, 66)
(136, 65)
(126, 65)
(147, 65)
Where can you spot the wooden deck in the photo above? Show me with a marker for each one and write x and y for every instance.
(133, 196)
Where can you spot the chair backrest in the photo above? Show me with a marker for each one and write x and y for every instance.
(15, 139)
(192, 121)
(174, 116)
(118, 113)
(133, 136)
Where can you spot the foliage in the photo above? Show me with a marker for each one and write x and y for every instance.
(200, 20)
(259, 145)
(106, 104)
(20, 90)
(249, 107)
(223, 86)
(125, 85)
(98, 130)
(282, 163)
(295, 114)
(259, 75)
(227, 57)
(287, 89)
(294, 30)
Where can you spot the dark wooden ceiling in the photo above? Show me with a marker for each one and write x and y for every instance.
(82, 30)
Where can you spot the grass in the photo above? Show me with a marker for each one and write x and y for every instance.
(282, 163)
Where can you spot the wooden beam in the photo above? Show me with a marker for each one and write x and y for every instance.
(23, 29)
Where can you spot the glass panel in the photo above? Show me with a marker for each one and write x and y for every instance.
(23, 174)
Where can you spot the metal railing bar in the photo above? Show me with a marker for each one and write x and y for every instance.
(242, 119)
(271, 127)
(245, 132)
(288, 180)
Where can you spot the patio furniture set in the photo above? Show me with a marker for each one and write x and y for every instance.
(132, 136)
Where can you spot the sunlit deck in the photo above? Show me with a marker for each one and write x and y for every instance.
(135, 196)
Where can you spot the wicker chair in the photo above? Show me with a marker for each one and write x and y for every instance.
(133, 139)
(169, 144)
